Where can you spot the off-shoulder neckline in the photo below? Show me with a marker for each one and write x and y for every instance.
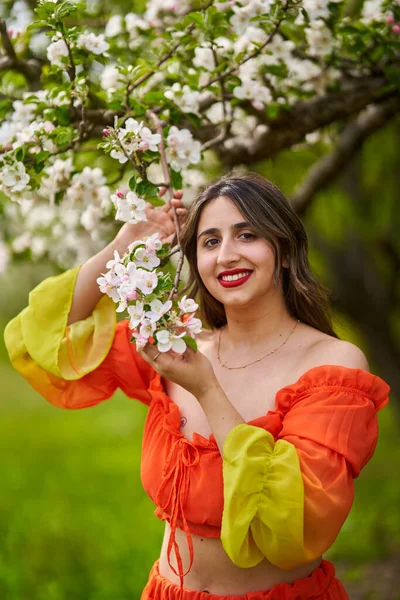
(357, 379)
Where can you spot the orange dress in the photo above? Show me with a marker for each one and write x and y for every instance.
(285, 484)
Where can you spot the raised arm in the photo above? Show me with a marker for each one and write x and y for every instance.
(86, 293)
(66, 343)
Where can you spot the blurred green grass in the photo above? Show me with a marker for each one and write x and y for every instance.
(75, 523)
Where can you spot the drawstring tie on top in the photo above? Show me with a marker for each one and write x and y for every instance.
(183, 454)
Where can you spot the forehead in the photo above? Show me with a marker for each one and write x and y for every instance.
(219, 213)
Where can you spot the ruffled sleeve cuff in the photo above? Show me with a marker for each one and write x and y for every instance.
(41, 331)
(263, 500)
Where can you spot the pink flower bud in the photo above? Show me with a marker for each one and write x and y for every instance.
(10, 32)
(396, 28)
(132, 296)
(390, 19)
(120, 194)
(258, 105)
(143, 146)
(106, 131)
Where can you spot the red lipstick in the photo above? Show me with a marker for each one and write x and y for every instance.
(236, 282)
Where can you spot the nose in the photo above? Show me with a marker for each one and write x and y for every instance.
(228, 254)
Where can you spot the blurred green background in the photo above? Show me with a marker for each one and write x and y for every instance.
(75, 523)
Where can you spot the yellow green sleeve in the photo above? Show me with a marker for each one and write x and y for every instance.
(48, 352)
(263, 500)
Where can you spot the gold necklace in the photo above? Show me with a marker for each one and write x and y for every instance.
(225, 366)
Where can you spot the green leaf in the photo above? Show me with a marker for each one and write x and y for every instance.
(20, 154)
(393, 74)
(194, 17)
(42, 156)
(190, 342)
(37, 25)
(132, 183)
(155, 201)
(176, 180)
(62, 115)
(147, 190)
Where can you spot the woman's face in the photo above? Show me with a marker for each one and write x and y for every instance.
(226, 243)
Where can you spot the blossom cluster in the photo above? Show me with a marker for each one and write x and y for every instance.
(133, 283)
(133, 137)
(216, 76)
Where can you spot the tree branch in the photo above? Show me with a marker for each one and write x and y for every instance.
(350, 141)
(31, 68)
(304, 117)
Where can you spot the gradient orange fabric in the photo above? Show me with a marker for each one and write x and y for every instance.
(303, 455)
(320, 585)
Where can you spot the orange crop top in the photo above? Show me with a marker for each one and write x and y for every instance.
(285, 484)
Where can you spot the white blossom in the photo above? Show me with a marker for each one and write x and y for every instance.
(134, 136)
(108, 284)
(133, 22)
(158, 309)
(39, 246)
(253, 90)
(130, 209)
(167, 341)
(5, 256)
(147, 328)
(146, 259)
(136, 313)
(114, 26)
(187, 305)
(153, 243)
(193, 325)
(184, 97)
(21, 242)
(93, 43)
(110, 78)
(317, 9)
(182, 149)
(14, 178)
(319, 38)
(204, 58)
(56, 51)
(146, 281)
(90, 217)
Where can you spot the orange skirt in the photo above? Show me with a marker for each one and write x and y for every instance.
(320, 585)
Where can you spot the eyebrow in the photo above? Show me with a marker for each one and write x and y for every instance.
(235, 227)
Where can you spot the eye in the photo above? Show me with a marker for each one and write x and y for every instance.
(207, 242)
(249, 235)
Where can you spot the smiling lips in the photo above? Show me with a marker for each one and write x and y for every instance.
(234, 278)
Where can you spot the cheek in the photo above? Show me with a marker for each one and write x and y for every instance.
(203, 264)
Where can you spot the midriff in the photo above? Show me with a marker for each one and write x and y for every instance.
(213, 571)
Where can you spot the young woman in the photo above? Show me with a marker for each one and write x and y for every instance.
(252, 443)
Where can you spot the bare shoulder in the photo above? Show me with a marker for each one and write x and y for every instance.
(327, 350)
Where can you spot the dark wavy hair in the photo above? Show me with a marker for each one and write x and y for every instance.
(265, 207)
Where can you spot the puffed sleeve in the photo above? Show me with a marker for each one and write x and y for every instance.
(79, 365)
(286, 499)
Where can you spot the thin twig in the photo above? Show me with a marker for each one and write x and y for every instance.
(163, 59)
(167, 178)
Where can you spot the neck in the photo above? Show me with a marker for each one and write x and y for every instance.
(255, 326)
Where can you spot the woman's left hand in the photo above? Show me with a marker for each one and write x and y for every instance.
(191, 370)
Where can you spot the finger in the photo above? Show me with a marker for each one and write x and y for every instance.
(150, 353)
(178, 194)
(177, 202)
